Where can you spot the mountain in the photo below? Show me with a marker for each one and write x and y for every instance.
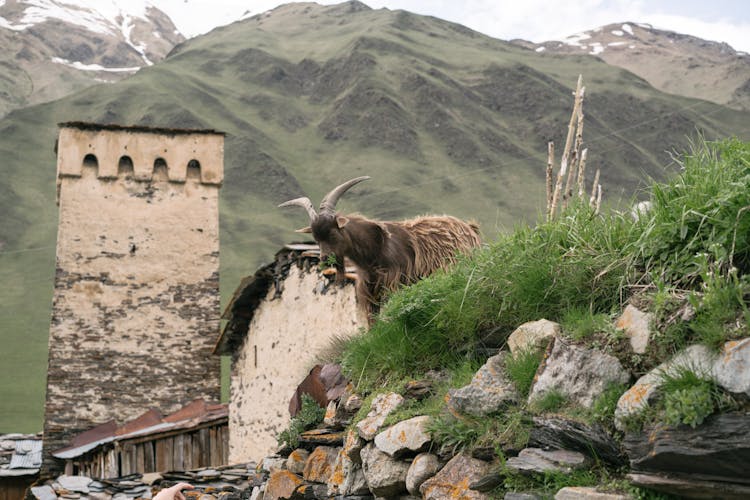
(444, 119)
(671, 62)
(52, 48)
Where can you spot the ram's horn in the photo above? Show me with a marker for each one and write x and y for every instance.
(328, 205)
(305, 203)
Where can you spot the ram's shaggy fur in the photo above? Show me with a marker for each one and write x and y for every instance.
(387, 254)
(391, 254)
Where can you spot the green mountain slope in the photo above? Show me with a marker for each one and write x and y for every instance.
(444, 120)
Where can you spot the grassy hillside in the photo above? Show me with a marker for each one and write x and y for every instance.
(690, 252)
(444, 120)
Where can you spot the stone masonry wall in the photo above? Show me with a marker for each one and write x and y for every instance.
(283, 339)
(136, 300)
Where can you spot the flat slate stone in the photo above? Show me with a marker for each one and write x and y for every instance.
(691, 487)
(717, 450)
(585, 493)
(536, 460)
(78, 484)
(43, 492)
(565, 434)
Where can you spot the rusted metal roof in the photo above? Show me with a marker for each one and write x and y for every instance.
(149, 424)
(20, 454)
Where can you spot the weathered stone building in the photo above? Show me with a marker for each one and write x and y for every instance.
(136, 299)
(279, 321)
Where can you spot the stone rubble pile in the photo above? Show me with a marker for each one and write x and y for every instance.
(227, 483)
(373, 460)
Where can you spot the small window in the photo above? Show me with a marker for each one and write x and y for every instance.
(90, 161)
(90, 166)
(161, 172)
(125, 167)
(194, 170)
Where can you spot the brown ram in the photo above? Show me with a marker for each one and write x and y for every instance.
(387, 254)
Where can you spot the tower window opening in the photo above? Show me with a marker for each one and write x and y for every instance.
(194, 170)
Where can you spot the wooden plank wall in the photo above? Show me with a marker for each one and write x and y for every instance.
(13, 488)
(206, 447)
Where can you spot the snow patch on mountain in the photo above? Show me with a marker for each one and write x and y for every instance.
(107, 17)
(93, 67)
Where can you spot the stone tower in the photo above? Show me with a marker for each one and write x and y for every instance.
(136, 301)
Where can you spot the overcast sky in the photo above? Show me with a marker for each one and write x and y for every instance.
(536, 20)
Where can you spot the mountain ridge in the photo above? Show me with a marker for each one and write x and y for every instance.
(672, 62)
(53, 48)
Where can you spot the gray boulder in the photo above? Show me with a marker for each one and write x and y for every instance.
(579, 373)
(489, 391)
(406, 436)
(385, 476)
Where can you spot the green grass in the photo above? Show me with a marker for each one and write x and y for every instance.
(548, 402)
(522, 368)
(581, 323)
(506, 430)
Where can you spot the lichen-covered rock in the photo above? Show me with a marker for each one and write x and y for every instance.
(353, 444)
(532, 335)
(385, 475)
(584, 493)
(697, 358)
(272, 463)
(637, 327)
(579, 373)
(489, 391)
(319, 465)
(381, 407)
(454, 479)
(423, 467)
(536, 460)
(296, 460)
(732, 367)
(281, 484)
(406, 436)
(347, 477)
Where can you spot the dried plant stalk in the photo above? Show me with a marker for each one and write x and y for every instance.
(568, 143)
(582, 172)
(592, 199)
(550, 165)
(598, 203)
(575, 152)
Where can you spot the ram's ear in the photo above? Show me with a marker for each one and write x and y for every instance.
(307, 229)
(341, 221)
